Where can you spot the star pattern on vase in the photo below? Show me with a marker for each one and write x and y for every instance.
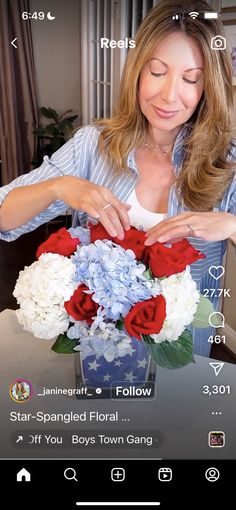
(128, 368)
(142, 363)
(118, 363)
(129, 376)
(106, 377)
(94, 365)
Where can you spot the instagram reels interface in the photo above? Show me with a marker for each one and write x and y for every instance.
(117, 249)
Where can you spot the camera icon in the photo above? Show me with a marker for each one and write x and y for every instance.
(218, 43)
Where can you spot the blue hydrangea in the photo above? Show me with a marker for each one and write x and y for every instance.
(113, 275)
(109, 348)
(82, 233)
(108, 341)
(78, 329)
(101, 339)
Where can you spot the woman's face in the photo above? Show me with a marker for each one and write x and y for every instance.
(171, 83)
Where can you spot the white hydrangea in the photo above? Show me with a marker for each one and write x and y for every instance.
(182, 298)
(41, 290)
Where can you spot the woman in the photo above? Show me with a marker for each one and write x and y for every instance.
(21, 393)
(166, 151)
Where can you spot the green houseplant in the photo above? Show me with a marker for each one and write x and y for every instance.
(54, 134)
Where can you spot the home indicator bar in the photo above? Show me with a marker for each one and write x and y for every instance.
(117, 503)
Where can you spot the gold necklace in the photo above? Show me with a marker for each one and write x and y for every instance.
(158, 150)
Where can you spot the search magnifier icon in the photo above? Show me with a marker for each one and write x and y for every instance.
(70, 474)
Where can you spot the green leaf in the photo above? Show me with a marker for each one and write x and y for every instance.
(39, 131)
(204, 310)
(172, 354)
(62, 126)
(57, 143)
(147, 274)
(64, 345)
(51, 129)
(49, 113)
(65, 113)
(120, 324)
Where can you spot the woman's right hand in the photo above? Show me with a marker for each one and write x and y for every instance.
(92, 198)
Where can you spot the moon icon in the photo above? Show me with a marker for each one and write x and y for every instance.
(49, 16)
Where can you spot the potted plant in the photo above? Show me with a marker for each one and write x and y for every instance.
(54, 134)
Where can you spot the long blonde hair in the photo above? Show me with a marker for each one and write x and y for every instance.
(205, 173)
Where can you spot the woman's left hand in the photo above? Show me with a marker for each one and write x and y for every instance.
(209, 226)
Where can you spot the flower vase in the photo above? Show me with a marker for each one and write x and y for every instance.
(96, 376)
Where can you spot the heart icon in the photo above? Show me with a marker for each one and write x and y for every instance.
(216, 272)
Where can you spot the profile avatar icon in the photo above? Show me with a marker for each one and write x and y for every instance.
(212, 474)
(21, 391)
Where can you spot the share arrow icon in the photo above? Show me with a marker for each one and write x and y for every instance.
(20, 438)
(217, 367)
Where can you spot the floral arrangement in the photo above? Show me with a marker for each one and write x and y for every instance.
(94, 293)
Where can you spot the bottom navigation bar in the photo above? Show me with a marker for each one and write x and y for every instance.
(75, 483)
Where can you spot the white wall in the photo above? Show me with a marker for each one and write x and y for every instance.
(57, 54)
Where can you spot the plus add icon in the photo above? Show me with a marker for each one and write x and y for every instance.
(118, 474)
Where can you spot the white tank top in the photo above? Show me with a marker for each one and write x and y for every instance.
(140, 217)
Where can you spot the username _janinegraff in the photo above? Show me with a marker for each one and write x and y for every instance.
(63, 391)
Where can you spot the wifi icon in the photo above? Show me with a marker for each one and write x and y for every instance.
(194, 14)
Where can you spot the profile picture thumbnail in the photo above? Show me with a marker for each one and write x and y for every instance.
(21, 391)
(216, 439)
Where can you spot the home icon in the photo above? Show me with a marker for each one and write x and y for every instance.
(23, 476)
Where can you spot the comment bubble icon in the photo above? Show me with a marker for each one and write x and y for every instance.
(217, 320)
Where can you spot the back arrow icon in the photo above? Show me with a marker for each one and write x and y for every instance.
(12, 42)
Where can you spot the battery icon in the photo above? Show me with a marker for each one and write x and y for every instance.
(210, 15)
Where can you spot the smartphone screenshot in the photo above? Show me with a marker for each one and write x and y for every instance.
(117, 250)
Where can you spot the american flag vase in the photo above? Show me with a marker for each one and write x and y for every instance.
(100, 375)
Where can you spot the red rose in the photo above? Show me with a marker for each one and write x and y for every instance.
(98, 232)
(60, 242)
(133, 239)
(81, 306)
(165, 261)
(146, 317)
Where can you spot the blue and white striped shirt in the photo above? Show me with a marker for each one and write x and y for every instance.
(80, 157)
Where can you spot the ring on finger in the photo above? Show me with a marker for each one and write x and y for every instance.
(106, 206)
